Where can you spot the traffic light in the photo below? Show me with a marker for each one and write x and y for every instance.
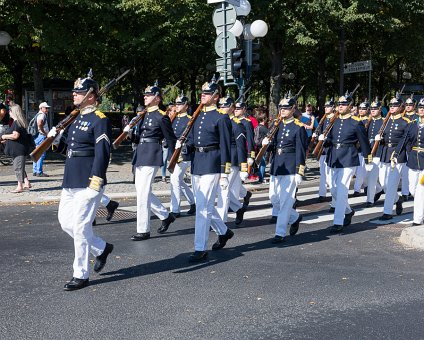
(237, 62)
(254, 67)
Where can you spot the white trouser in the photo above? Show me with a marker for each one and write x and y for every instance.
(228, 197)
(373, 183)
(282, 189)
(178, 186)
(243, 191)
(205, 188)
(104, 201)
(389, 179)
(417, 190)
(361, 173)
(323, 180)
(77, 210)
(146, 200)
(341, 178)
(405, 181)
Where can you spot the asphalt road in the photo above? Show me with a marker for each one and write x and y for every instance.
(362, 284)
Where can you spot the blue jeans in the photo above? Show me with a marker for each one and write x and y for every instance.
(165, 161)
(262, 167)
(37, 168)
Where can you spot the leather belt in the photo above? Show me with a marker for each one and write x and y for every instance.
(286, 150)
(150, 140)
(207, 148)
(83, 153)
(418, 149)
(343, 145)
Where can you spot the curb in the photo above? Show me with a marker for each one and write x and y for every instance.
(413, 237)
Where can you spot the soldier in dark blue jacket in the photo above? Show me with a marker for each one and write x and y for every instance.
(361, 173)
(152, 129)
(389, 173)
(413, 142)
(375, 190)
(287, 167)
(210, 139)
(178, 185)
(87, 158)
(230, 196)
(342, 158)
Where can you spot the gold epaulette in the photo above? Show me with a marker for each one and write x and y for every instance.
(163, 113)
(297, 122)
(236, 120)
(356, 118)
(100, 114)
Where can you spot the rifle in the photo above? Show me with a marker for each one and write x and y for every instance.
(320, 124)
(64, 123)
(136, 120)
(319, 148)
(383, 127)
(273, 131)
(367, 124)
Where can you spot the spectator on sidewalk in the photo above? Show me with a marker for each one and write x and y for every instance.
(43, 130)
(4, 116)
(260, 133)
(18, 146)
(309, 121)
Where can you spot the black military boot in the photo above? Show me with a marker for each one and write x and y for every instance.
(76, 284)
(336, 228)
(385, 217)
(348, 218)
(399, 207)
(111, 207)
(101, 259)
(246, 199)
(166, 223)
(272, 220)
(192, 209)
(198, 256)
(278, 239)
(140, 237)
(377, 196)
(222, 240)
(239, 216)
(294, 228)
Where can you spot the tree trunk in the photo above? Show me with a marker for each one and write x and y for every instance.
(321, 81)
(275, 78)
(18, 70)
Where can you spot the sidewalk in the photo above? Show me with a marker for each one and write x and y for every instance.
(120, 180)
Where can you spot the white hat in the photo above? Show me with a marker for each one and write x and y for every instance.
(43, 104)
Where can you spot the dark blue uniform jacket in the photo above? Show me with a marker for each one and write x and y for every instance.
(395, 131)
(413, 143)
(178, 125)
(373, 129)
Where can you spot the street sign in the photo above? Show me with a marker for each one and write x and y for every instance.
(359, 66)
(224, 16)
(231, 2)
(223, 66)
(230, 40)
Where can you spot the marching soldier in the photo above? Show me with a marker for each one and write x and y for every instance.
(287, 168)
(88, 152)
(210, 139)
(410, 113)
(374, 190)
(360, 180)
(178, 185)
(240, 113)
(390, 173)
(230, 196)
(342, 158)
(414, 141)
(152, 129)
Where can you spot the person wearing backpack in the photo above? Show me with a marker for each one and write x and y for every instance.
(42, 131)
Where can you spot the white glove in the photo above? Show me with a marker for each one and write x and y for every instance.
(127, 128)
(393, 162)
(243, 175)
(321, 137)
(178, 144)
(265, 141)
(297, 179)
(368, 167)
(314, 135)
(223, 182)
(52, 132)
(250, 161)
(56, 141)
(377, 137)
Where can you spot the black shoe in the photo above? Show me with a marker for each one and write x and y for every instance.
(240, 215)
(278, 239)
(385, 217)
(176, 215)
(331, 210)
(369, 204)
(42, 175)
(377, 196)
(94, 223)
(192, 209)
(405, 197)
(348, 218)
(75, 284)
(111, 207)
(101, 259)
(273, 220)
(321, 199)
(415, 224)
(246, 199)
(198, 256)
(295, 226)
(166, 223)
(366, 191)
(336, 228)
(356, 194)
(140, 237)
(34, 174)
(222, 240)
(399, 207)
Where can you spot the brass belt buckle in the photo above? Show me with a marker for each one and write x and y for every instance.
(201, 149)
(69, 153)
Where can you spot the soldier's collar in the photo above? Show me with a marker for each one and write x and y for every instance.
(396, 116)
(410, 113)
(152, 108)
(288, 120)
(182, 114)
(377, 118)
(209, 108)
(329, 115)
(88, 109)
(345, 116)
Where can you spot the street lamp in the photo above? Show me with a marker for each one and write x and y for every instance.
(4, 38)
